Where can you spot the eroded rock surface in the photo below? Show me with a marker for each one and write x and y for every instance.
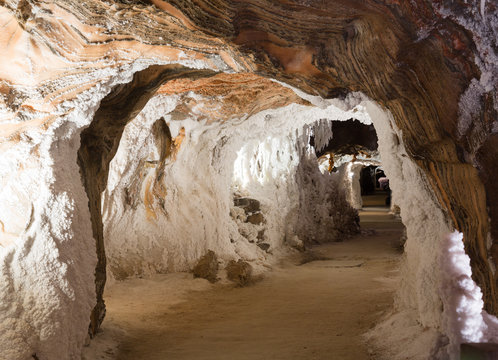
(207, 267)
(73, 74)
(240, 272)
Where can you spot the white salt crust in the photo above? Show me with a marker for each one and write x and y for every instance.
(47, 252)
(255, 157)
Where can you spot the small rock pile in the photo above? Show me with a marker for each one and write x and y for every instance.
(250, 220)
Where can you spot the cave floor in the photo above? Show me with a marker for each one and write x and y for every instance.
(316, 306)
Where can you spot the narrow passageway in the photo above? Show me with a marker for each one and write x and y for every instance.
(316, 305)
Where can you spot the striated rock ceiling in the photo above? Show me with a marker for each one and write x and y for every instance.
(232, 96)
(423, 61)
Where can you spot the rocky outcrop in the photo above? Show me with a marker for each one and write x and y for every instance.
(249, 205)
(207, 267)
(240, 272)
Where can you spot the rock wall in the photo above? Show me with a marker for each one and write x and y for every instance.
(351, 179)
(166, 223)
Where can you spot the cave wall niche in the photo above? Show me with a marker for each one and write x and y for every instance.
(435, 86)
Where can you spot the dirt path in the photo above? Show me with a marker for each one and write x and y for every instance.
(316, 310)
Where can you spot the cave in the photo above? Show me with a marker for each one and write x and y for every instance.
(249, 179)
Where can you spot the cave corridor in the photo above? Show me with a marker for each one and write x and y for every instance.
(229, 179)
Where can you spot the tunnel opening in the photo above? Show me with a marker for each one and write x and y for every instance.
(190, 201)
(181, 185)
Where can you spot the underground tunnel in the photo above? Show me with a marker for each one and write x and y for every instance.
(248, 179)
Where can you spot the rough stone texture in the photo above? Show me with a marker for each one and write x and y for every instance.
(240, 272)
(207, 267)
(323, 218)
(264, 246)
(395, 54)
(238, 95)
(256, 218)
(249, 205)
(99, 143)
(392, 52)
(431, 64)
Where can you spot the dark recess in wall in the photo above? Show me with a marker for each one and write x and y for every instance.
(350, 136)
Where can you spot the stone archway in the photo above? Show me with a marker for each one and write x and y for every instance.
(99, 143)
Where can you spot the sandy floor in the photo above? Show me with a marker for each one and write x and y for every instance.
(315, 310)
